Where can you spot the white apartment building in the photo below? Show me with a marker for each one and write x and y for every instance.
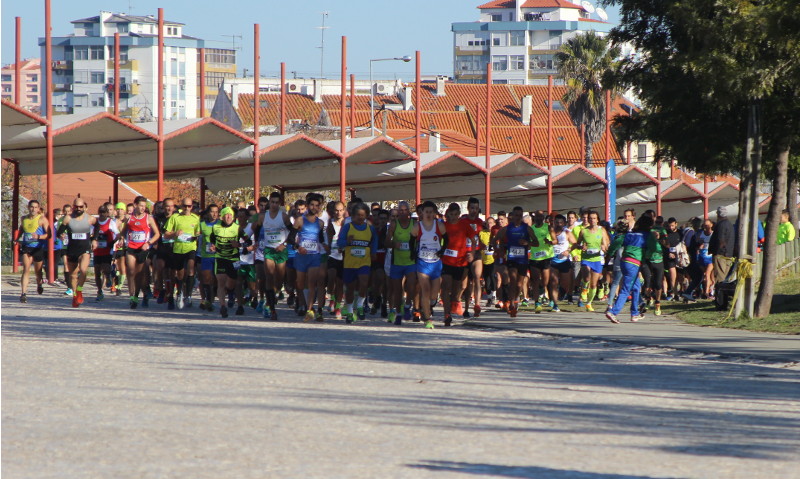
(83, 67)
(519, 38)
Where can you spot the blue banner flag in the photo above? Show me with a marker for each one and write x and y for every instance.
(611, 188)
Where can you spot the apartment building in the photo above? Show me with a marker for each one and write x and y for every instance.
(30, 83)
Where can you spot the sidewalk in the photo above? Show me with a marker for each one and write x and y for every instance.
(663, 331)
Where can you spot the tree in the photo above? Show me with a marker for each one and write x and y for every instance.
(587, 63)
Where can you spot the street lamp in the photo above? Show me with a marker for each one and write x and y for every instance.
(372, 89)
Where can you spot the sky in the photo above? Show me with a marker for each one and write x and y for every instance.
(289, 31)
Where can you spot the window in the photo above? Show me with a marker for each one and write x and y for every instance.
(542, 63)
(81, 76)
(122, 28)
(6, 88)
(68, 54)
(555, 39)
(33, 98)
(642, 152)
(33, 78)
(81, 53)
(33, 88)
(173, 103)
(557, 105)
(7, 78)
(215, 79)
(80, 101)
(496, 40)
(471, 63)
(517, 62)
(499, 62)
(497, 17)
(97, 100)
(97, 77)
(517, 38)
(96, 53)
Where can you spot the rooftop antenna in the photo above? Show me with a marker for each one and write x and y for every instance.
(322, 45)
(130, 7)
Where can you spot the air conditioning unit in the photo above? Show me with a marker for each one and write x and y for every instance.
(380, 88)
(295, 121)
(294, 87)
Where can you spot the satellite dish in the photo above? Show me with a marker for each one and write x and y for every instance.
(602, 14)
(587, 6)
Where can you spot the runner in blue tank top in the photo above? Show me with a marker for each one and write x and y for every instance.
(515, 241)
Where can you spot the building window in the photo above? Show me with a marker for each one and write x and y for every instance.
(81, 53)
(497, 17)
(517, 38)
(215, 79)
(642, 152)
(517, 62)
(81, 76)
(7, 97)
(471, 63)
(555, 39)
(33, 98)
(80, 101)
(498, 39)
(541, 63)
(173, 103)
(6, 88)
(7, 78)
(122, 27)
(557, 105)
(98, 100)
(33, 78)
(97, 77)
(97, 53)
(499, 62)
(220, 55)
(33, 88)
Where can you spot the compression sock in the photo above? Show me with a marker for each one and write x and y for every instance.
(188, 285)
(590, 295)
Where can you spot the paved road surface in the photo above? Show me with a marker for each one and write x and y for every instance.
(103, 391)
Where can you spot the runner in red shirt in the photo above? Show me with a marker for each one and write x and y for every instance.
(476, 266)
(457, 257)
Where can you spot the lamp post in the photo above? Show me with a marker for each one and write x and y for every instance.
(405, 59)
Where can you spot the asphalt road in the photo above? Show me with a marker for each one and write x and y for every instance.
(102, 391)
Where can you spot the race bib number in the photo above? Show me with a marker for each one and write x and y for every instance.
(428, 255)
(102, 244)
(273, 237)
(358, 252)
(540, 254)
(469, 243)
(516, 252)
(404, 246)
(309, 245)
(137, 236)
(79, 236)
(673, 250)
(208, 248)
(27, 236)
(184, 238)
(488, 252)
(451, 253)
(558, 249)
(592, 251)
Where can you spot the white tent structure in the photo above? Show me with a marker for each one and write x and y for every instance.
(573, 186)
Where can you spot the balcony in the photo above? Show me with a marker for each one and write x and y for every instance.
(59, 87)
(132, 65)
(62, 65)
(124, 88)
(472, 50)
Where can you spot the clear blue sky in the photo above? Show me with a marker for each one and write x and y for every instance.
(374, 29)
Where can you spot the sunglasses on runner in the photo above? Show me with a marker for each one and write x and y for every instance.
(188, 206)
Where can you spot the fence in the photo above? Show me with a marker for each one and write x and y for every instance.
(788, 259)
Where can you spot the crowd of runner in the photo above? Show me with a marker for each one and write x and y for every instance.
(403, 263)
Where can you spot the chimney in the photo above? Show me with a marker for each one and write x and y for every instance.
(317, 90)
(407, 98)
(434, 142)
(527, 109)
(440, 85)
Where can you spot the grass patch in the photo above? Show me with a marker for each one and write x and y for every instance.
(785, 317)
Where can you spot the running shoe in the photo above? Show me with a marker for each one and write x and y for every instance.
(612, 317)
(274, 316)
(254, 302)
(589, 307)
(688, 298)
(524, 303)
(309, 316)
(429, 324)
(75, 301)
(161, 297)
(119, 291)
(669, 298)
(80, 297)
(407, 313)
(100, 296)
(361, 315)
(466, 314)
(179, 301)
(555, 309)
(657, 312)
(637, 317)
(391, 316)
(398, 320)
(109, 281)
(580, 303)
(231, 299)
(650, 303)
(134, 302)
(239, 310)
(260, 307)
(490, 302)
(499, 305)
(459, 310)
(68, 292)
(145, 301)
(265, 312)
(448, 321)
(170, 303)
(384, 311)
(512, 311)
(417, 317)
(223, 311)
(476, 311)
(39, 289)
(187, 301)
(349, 318)
(537, 308)
(318, 317)
(23, 298)
(374, 310)
(113, 288)
(203, 305)
(337, 313)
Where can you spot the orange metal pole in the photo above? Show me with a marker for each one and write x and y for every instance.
(116, 74)
(342, 119)
(352, 106)
(202, 83)
(488, 162)
(608, 125)
(18, 62)
(530, 135)
(283, 98)
(549, 143)
(48, 135)
(418, 130)
(160, 140)
(256, 113)
(477, 129)
(115, 190)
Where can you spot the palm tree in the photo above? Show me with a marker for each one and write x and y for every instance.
(584, 62)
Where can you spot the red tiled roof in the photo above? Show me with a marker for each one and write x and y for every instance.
(550, 4)
(498, 4)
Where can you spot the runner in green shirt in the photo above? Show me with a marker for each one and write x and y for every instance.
(183, 228)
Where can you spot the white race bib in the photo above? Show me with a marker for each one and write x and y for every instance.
(137, 236)
(673, 250)
(208, 248)
(102, 244)
(358, 252)
(428, 255)
(540, 254)
(27, 236)
(592, 252)
(516, 252)
(451, 253)
(309, 245)
(272, 237)
(184, 238)
(79, 236)
(404, 246)
(469, 243)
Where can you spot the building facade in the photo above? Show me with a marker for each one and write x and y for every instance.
(30, 83)
(83, 68)
(519, 38)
